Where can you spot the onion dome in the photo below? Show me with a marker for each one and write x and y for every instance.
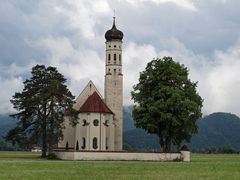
(114, 33)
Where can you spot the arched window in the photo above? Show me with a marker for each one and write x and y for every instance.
(95, 122)
(109, 57)
(120, 60)
(67, 145)
(83, 143)
(95, 143)
(115, 57)
(84, 122)
(106, 143)
(77, 146)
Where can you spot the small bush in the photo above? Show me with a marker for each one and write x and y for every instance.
(52, 157)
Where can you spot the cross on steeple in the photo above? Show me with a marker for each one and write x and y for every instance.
(114, 17)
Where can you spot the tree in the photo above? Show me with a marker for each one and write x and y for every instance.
(41, 107)
(167, 103)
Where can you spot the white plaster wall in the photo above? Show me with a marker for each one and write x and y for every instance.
(186, 156)
(114, 87)
(90, 131)
(120, 156)
(68, 134)
(94, 130)
(81, 131)
(110, 132)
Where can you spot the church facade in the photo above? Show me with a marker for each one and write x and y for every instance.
(100, 119)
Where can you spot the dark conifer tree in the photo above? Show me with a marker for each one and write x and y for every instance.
(40, 107)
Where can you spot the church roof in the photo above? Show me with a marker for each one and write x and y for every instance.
(94, 103)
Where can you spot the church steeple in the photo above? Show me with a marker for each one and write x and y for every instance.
(114, 79)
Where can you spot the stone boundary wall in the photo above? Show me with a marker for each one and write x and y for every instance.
(128, 156)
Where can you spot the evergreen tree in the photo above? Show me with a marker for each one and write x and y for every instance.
(40, 107)
(167, 103)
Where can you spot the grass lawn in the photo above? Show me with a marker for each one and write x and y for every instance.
(27, 165)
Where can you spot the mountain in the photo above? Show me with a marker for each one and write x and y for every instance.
(217, 129)
(6, 123)
(128, 123)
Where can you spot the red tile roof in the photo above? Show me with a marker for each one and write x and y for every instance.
(94, 103)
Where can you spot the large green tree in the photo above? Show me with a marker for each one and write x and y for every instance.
(40, 107)
(167, 103)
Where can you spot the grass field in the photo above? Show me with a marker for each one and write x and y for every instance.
(26, 165)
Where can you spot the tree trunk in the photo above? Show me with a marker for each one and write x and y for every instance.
(44, 143)
(51, 134)
(161, 144)
(44, 135)
(51, 139)
(165, 145)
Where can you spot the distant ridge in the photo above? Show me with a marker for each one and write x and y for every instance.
(217, 129)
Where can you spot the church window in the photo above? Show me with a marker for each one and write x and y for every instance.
(77, 146)
(109, 70)
(83, 143)
(67, 145)
(120, 59)
(115, 46)
(95, 143)
(109, 57)
(95, 122)
(106, 123)
(115, 57)
(114, 70)
(84, 121)
(106, 143)
(109, 46)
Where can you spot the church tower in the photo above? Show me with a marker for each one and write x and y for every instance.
(113, 91)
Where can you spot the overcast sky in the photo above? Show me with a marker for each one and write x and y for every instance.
(69, 34)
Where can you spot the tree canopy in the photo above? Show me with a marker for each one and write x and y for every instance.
(167, 103)
(40, 107)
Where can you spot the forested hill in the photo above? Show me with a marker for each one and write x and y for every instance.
(217, 129)
(6, 123)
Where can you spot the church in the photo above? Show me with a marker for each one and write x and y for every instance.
(100, 118)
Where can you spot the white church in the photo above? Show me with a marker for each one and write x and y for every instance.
(100, 118)
(98, 135)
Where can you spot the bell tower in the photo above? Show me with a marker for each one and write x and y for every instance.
(113, 91)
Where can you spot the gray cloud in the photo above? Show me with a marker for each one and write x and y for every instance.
(69, 34)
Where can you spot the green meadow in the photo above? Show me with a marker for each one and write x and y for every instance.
(27, 165)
